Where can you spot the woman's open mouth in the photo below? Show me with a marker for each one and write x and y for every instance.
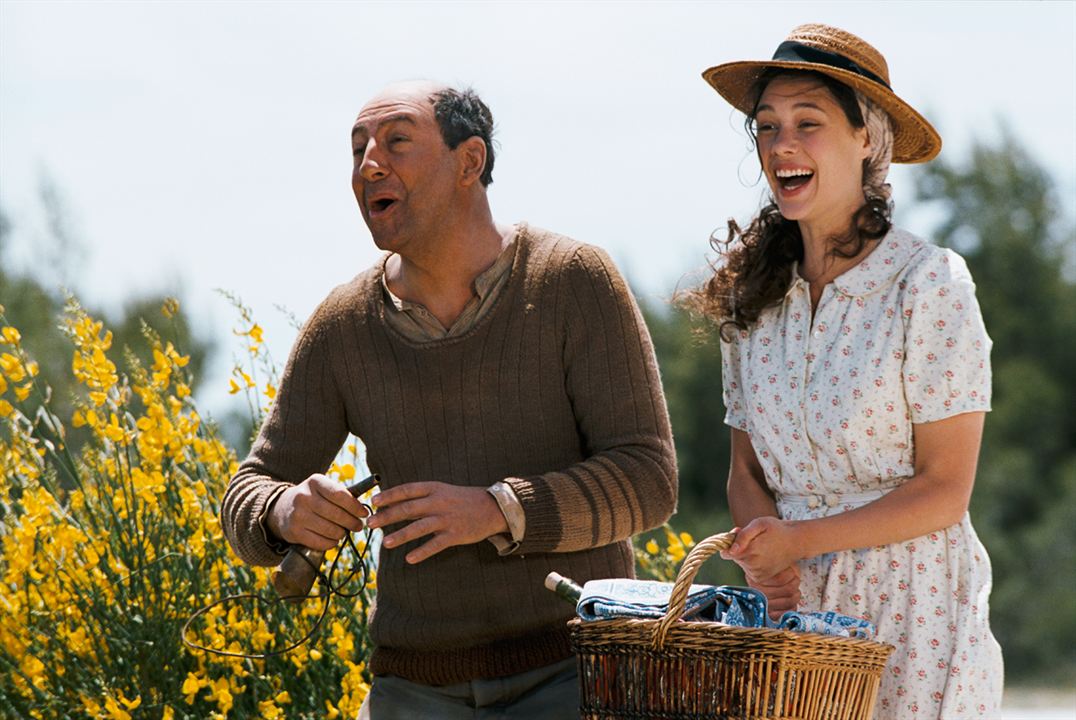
(792, 180)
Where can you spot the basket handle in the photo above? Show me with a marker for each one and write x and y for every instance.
(688, 570)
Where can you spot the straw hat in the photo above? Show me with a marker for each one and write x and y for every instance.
(850, 60)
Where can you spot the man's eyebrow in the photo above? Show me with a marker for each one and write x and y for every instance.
(400, 117)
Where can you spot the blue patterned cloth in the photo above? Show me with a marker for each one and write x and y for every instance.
(826, 623)
(739, 606)
(622, 598)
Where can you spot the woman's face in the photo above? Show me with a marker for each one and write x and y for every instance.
(811, 154)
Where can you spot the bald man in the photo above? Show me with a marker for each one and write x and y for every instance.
(505, 387)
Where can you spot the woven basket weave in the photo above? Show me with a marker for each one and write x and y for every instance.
(670, 669)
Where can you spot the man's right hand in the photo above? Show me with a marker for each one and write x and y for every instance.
(316, 513)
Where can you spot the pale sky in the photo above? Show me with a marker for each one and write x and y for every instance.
(205, 145)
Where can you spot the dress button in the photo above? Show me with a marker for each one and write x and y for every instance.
(813, 502)
(831, 500)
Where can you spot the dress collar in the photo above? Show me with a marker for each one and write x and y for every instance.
(881, 266)
(883, 263)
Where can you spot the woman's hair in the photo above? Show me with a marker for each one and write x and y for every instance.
(758, 269)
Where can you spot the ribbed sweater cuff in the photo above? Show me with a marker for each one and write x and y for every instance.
(545, 526)
(499, 659)
(256, 545)
(275, 543)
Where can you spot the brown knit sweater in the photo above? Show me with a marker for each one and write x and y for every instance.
(555, 390)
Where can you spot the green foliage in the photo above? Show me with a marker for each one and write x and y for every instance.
(690, 359)
(34, 302)
(99, 575)
(689, 355)
(1000, 211)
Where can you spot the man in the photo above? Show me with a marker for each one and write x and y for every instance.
(505, 388)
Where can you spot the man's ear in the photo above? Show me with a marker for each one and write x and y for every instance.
(472, 155)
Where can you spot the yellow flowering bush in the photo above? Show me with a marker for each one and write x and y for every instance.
(661, 560)
(110, 541)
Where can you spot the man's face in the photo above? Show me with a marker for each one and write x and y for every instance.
(404, 176)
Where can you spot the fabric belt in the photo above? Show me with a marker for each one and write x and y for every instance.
(833, 500)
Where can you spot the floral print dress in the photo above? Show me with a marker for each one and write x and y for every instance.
(829, 405)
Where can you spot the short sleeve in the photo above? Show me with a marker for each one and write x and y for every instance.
(731, 379)
(946, 368)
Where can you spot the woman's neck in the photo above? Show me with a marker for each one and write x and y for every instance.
(821, 264)
(820, 237)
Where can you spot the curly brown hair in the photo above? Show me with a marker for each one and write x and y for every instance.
(758, 262)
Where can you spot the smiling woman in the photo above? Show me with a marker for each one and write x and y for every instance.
(812, 149)
(856, 377)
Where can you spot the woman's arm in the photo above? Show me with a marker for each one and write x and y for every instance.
(937, 496)
(749, 498)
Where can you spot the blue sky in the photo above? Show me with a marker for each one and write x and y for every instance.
(204, 145)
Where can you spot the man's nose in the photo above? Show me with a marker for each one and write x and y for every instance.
(372, 166)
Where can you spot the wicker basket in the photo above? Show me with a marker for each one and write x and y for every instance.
(669, 669)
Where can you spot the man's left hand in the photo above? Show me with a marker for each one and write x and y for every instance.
(453, 515)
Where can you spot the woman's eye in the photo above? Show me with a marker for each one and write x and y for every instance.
(765, 127)
(808, 124)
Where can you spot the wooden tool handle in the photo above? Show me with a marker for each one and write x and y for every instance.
(295, 575)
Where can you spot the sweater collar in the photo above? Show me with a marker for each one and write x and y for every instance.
(485, 283)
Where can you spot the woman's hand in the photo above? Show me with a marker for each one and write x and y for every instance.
(782, 591)
(765, 548)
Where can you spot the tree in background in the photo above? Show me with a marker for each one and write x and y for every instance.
(999, 209)
(691, 375)
(34, 300)
(109, 533)
(689, 355)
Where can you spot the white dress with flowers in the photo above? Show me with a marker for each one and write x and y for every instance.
(829, 405)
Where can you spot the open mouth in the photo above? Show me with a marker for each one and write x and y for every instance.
(791, 180)
(381, 205)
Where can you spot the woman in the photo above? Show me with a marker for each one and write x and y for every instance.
(856, 374)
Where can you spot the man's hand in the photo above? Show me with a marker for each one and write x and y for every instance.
(453, 515)
(782, 590)
(316, 513)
